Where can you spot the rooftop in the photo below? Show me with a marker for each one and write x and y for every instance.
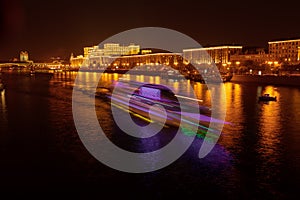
(285, 40)
(215, 47)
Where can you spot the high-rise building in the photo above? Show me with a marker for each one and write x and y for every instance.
(285, 50)
(24, 56)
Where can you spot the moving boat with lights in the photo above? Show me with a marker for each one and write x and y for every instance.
(157, 103)
(267, 97)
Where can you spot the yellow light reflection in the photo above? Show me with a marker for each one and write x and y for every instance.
(151, 79)
(207, 97)
(157, 80)
(188, 87)
(142, 78)
(95, 76)
(234, 114)
(115, 77)
(176, 87)
(198, 89)
(126, 76)
(3, 100)
(138, 78)
(104, 77)
(270, 125)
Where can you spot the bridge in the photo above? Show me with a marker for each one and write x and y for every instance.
(33, 65)
(16, 64)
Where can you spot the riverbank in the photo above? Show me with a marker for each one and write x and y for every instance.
(267, 79)
(162, 74)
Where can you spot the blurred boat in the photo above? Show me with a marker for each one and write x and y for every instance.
(159, 104)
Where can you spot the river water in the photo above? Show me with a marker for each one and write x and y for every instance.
(256, 157)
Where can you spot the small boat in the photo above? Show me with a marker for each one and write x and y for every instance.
(267, 97)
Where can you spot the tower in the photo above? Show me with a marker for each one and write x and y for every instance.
(23, 56)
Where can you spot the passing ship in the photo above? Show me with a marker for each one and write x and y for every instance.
(159, 104)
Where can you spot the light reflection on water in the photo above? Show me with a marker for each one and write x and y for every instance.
(3, 106)
(270, 125)
(239, 101)
(255, 155)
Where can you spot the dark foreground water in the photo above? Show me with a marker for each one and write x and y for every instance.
(258, 157)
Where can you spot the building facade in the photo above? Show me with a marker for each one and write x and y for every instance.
(95, 56)
(258, 58)
(113, 49)
(208, 55)
(130, 61)
(76, 61)
(285, 51)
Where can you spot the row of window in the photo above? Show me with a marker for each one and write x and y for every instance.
(284, 51)
(286, 55)
(294, 47)
(286, 43)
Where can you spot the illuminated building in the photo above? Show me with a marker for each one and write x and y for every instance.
(95, 56)
(24, 56)
(88, 50)
(76, 61)
(146, 51)
(256, 54)
(259, 58)
(153, 59)
(285, 50)
(111, 49)
(208, 55)
(114, 49)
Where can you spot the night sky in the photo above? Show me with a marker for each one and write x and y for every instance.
(59, 27)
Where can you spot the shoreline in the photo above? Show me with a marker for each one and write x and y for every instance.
(267, 80)
(242, 79)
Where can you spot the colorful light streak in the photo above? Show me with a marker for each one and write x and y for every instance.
(139, 106)
(123, 104)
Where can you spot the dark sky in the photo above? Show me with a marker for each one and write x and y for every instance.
(59, 27)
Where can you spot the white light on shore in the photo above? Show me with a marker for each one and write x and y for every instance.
(259, 73)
